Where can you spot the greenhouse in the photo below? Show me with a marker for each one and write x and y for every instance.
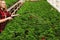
(55, 4)
(37, 20)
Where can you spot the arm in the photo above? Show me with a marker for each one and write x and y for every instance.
(12, 15)
(4, 20)
(9, 18)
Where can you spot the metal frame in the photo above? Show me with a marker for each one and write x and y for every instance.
(15, 7)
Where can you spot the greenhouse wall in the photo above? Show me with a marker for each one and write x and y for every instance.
(55, 4)
(31, 0)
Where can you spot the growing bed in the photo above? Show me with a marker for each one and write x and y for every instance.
(37, 21)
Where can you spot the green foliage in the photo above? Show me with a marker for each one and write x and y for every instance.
(37, 21)
(10, 2)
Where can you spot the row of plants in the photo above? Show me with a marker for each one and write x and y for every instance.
(10, 2)
(37, 21)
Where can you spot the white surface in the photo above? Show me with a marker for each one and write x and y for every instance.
(22, 0)
(55, 4)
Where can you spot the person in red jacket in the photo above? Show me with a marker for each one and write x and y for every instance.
(5, 16)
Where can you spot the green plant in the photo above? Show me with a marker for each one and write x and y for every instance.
(37, 21)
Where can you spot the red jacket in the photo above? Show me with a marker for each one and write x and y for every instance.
(2, 16)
